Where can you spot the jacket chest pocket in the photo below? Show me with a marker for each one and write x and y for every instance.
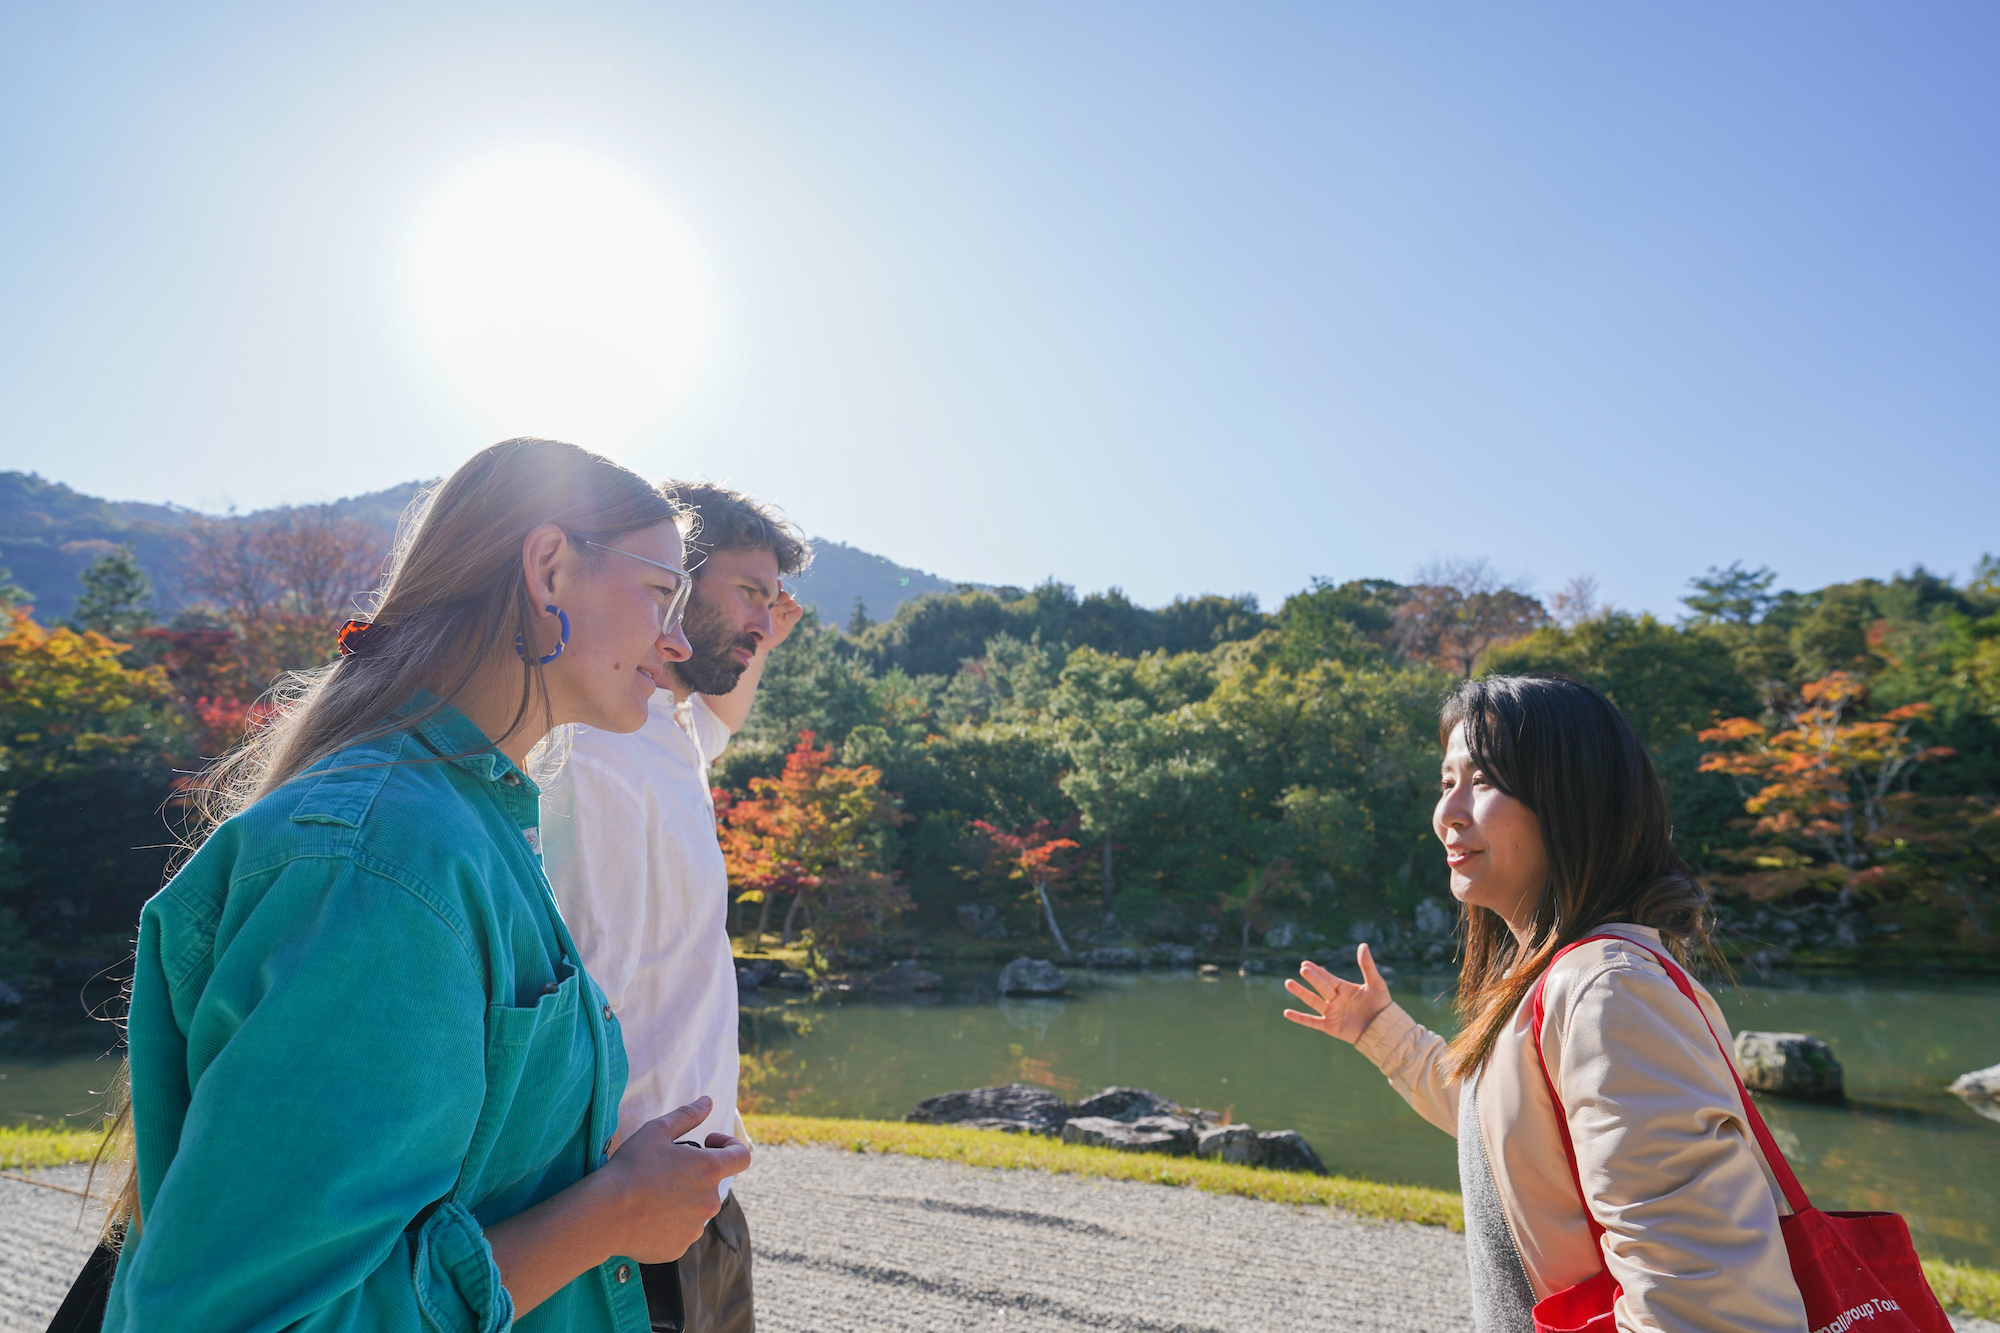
(541, 1063)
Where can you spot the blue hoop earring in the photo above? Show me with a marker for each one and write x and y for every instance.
(522, 649)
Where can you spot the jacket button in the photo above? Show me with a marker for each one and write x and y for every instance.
(512, 779)
(607, 1013)
(624, 1273)
(552, 988)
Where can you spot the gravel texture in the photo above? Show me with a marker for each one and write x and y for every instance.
(845, 1241)
(848, 1241)
(45, 1235)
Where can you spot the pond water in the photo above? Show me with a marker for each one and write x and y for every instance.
(1900, 1142)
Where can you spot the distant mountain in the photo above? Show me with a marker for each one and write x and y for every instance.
(49, 532)
(841, 574)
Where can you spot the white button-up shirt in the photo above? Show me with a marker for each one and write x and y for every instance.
(628, 836)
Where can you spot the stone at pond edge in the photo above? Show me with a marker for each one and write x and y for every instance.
(1016, 1106)
(1126, 1104)
(1981, 1091)
(981, 921)
(1230, 1143)
(793, 981)
(1789, 1064)
(1032, 976)
(1287, 1150)
(1111, 957)
(1149, 1133)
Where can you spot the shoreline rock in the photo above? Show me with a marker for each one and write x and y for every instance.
(1123, 1119)
(1789, 1064)
(1980, 1090)
(1032, 976)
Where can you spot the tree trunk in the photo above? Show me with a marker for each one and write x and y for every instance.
(1054, 929)
(1107, 874)
(763, 921)
(790, 913)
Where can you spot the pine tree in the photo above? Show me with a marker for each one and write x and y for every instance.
(115, 594)
(12, 594)
(859, 623)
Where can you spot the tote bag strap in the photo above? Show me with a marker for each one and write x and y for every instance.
(1795, 1194)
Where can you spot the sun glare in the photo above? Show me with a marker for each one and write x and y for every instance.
(560, 295)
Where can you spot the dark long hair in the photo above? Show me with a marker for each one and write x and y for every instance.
(1567, 753)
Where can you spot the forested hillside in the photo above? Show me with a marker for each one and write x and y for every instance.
(1004, 764)
(1224, 774)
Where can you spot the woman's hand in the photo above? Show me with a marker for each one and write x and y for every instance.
(668, 1189)
(1340, 1008)
(649, 1203)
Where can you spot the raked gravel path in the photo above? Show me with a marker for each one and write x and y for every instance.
(881, 1243)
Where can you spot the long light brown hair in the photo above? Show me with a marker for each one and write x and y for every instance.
(1567, 753)
(452, 601)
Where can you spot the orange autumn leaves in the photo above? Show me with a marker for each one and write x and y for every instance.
(1825, 779)
(818, 835)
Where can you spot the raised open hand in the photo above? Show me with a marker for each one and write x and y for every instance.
(1340, 1008)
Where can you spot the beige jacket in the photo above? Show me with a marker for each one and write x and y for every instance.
(1689, 1208)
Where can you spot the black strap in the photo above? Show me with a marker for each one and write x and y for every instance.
(82, 1311)
(663, 1297)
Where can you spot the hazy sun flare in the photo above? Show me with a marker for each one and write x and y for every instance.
(560, 295)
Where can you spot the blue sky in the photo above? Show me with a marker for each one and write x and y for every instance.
(1176, 298)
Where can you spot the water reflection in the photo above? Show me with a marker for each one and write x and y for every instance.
(1901, 1143)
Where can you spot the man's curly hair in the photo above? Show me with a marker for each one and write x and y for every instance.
(726, 520)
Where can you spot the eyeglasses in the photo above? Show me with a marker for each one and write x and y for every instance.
(679, 587)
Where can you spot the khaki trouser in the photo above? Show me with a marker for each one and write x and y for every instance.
(713, 1280)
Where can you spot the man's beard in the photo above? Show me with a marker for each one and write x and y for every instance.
(711, 669)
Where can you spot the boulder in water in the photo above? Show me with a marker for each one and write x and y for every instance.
(1017, 1107)
(1230, 1143)
(1032, 976)
(1789, 1064)
(1287, 1150)
(1151, 1133)
(1981, 1091)
(1126, 1104)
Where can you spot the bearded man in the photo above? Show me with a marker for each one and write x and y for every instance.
(628, 833)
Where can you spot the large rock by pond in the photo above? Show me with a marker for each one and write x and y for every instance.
(1981, 1091)
(1018, 1107)
(1789, 1064)
(982, 921)
(1126, 1119)
(1149, 1133)
(1032, 976)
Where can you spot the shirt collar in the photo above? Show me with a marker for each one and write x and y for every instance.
(450, 732)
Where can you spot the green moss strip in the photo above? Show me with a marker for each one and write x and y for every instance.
(1964, 1289)
(27, 1147)
(984, 1147)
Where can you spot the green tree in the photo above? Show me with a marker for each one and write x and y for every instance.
(1731, 596)
(12, 594)
(116, 595)
(1669, 683)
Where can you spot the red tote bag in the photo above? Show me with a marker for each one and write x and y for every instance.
(1855, 1270)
